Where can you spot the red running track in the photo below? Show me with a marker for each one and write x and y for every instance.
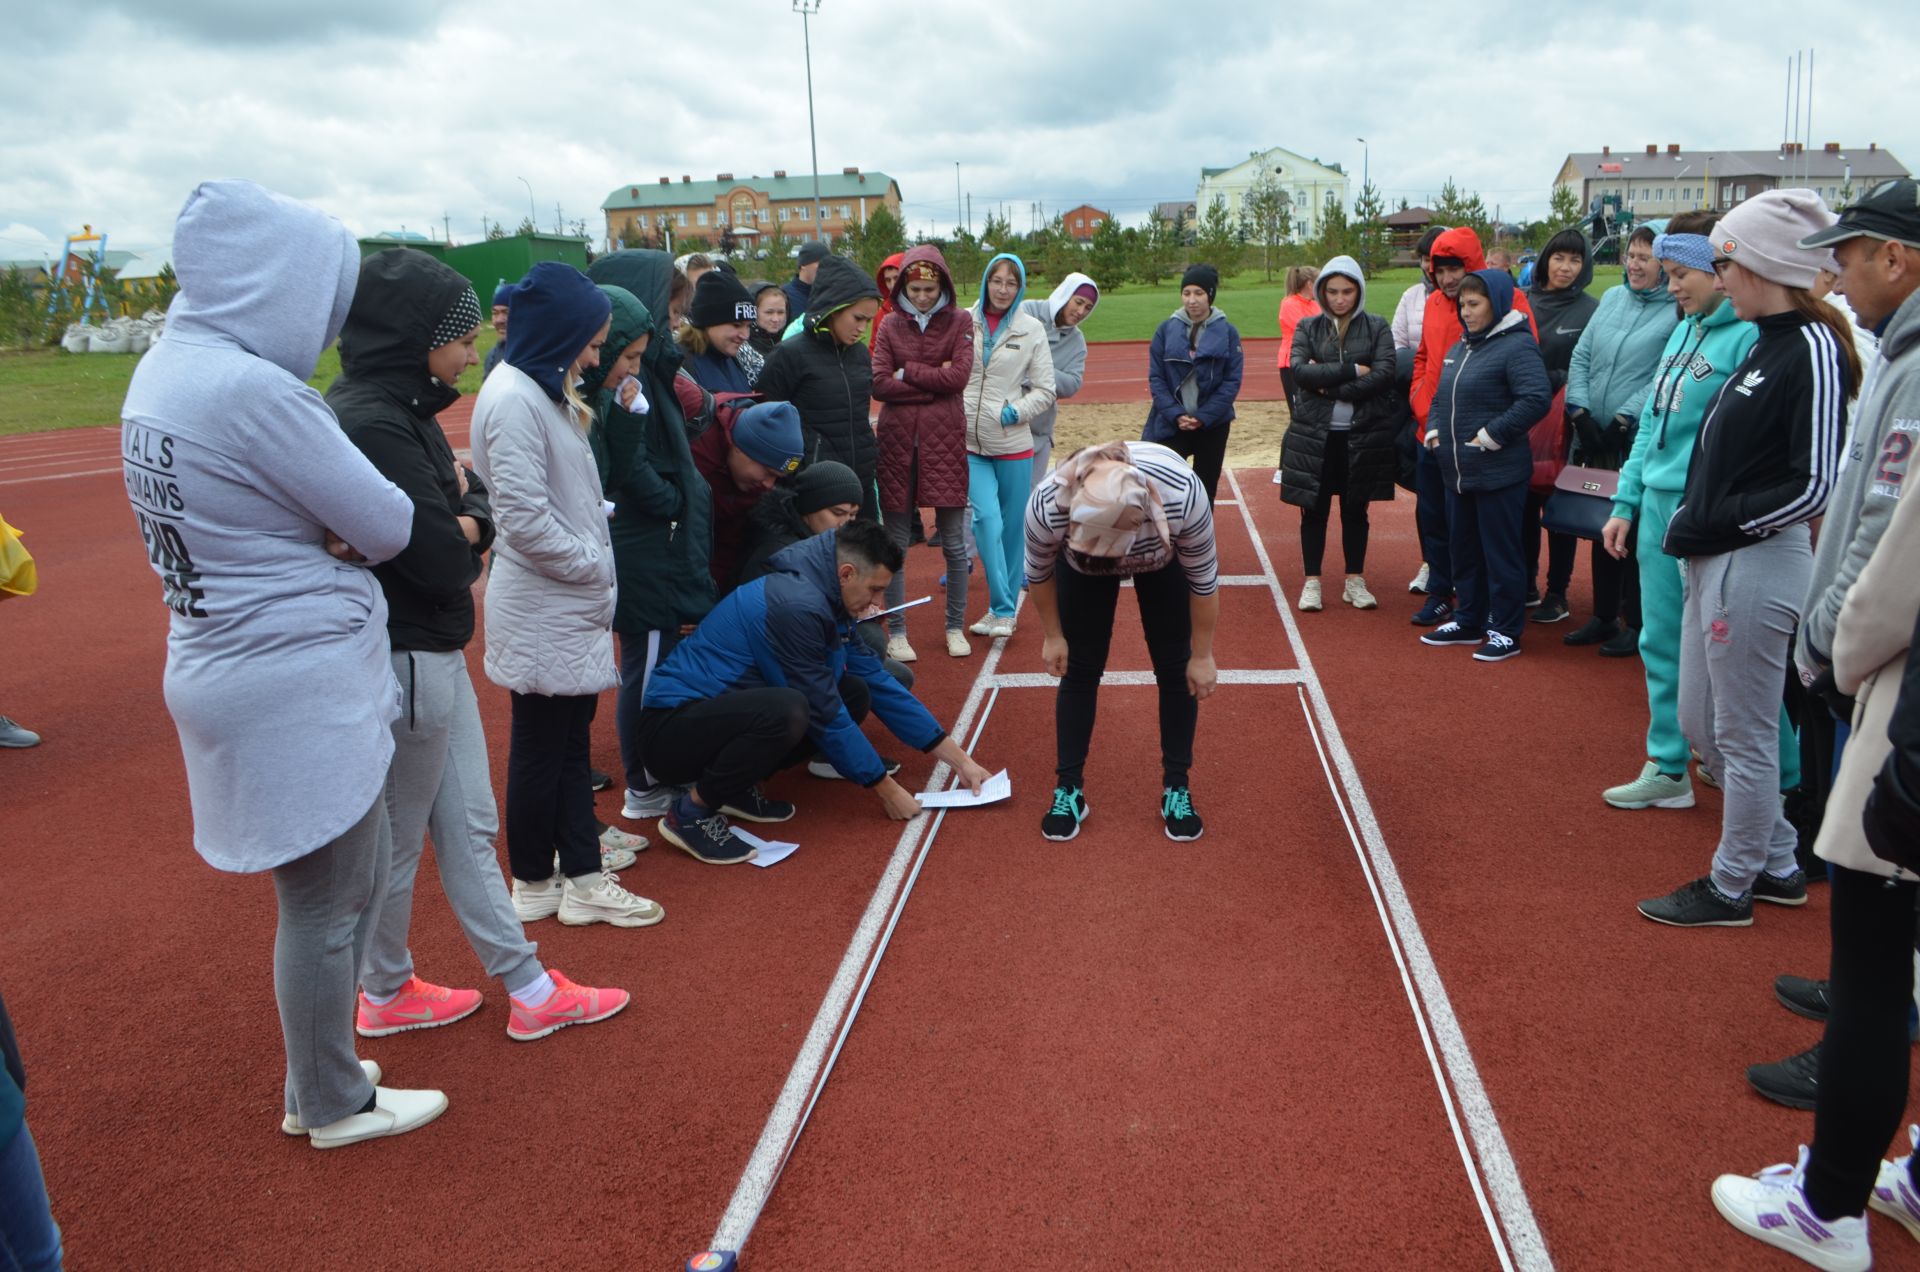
(1116, 1053)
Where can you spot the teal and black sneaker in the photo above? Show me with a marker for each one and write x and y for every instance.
(1176, 808)
(1062, 821)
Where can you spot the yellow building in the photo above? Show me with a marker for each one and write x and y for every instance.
(666, 210)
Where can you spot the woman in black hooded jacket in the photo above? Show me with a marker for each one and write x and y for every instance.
(826, 373)
(1561, 309)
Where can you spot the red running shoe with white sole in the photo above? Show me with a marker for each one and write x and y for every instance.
(570, 1004)
(418, 1005)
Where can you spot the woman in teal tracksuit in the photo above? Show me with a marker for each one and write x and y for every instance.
(1709, 342)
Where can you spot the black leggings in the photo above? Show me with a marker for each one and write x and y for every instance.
(549, 787)
(1087, 606)
(1560, 548)
(1207, 448)
(723, 745)
(1353, 513)
(1616, 586)
(1862, 1092)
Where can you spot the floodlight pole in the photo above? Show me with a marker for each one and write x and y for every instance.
(533, 216)
(806, 9)
(1366, 163)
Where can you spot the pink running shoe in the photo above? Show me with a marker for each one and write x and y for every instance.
(571, 1004)
(417, 1006)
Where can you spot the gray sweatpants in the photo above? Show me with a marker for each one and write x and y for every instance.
(951, 525)
(1042, 457)
(329, 902)
(439, 782)
(1736, 633)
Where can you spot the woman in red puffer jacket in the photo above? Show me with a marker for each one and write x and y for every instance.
(922, 356)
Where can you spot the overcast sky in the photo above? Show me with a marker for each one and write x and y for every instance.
(392, 113)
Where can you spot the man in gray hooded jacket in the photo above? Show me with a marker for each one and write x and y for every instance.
(1061, 314)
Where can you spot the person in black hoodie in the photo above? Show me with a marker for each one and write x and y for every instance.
(408, 336)
(770, 318)
(826, 373)
(1561, 307)
(1763, 466)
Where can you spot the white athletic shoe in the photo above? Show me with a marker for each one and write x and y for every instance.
(605, 901)
(957, 644)
(1893, 1193)
(900, 651)
(535, 901)
(1772, 1207)
(1419, 583)
(1652, 789)
(290, 1124)
(1278, 480)
(1310, 602)
(649, 803)
(1002, 627)
(394, 1113)
(1355, 593)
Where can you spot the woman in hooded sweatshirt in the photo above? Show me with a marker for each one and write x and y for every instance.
(886, 279)
(662, 507)
(1340, 440)
(1061, 314)
(769, 318)
(1011, 382)
(1709, 342)
(1562, 307)
(922, 360)
(1298, 305)
(714, 338)
(550, 595)
(1492, 390)
(252, 504)
(1607, 385)
(1763, 466)
(1194, 367)
(827, 373)
(408, 337)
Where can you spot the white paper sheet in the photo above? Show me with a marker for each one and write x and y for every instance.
(772, 851)
(992, 791)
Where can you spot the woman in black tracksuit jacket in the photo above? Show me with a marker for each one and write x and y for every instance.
(1763, 466)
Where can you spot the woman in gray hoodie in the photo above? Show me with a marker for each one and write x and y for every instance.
(258, 515)
(1061, 314)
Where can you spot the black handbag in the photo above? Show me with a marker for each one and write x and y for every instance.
(1581, 502)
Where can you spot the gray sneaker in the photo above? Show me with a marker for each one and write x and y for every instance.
(14, 735)
(1652, 789)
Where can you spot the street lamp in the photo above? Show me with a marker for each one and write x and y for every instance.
(806, 9)
(532, 216)
(1366, 166)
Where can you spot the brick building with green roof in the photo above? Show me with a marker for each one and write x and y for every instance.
(751, 207)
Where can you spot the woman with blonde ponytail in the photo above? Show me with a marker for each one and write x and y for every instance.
(550, 595)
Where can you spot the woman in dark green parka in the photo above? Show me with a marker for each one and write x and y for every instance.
(662, 509)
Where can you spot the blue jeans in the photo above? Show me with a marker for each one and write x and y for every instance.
(998, 490)
(1430, 515)
(29, 1238)
(1488, 560)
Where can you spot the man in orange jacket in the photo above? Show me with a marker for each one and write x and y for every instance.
(1456, 253)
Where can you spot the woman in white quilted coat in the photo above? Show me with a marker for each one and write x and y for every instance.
(549, 598)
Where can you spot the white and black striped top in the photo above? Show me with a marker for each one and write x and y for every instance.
(1189, 518)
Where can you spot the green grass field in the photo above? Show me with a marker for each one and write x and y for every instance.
(44, 389)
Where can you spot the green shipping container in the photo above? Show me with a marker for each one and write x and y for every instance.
(491, 262)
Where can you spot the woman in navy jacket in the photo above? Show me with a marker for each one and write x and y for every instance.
(1193, 368)
(1493, 389)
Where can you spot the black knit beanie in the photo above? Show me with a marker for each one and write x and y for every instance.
(823, 485)
(719, 298)
(1205, 277)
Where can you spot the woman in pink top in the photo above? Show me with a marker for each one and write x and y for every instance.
(1298, 306)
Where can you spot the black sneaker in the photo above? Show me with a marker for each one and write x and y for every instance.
(1453, 634)
(1624, 643)
(1176, 808)
(1533, 597)
(1803, 997)
(1498, 648)
(1433, 613)
(1792, 1082)
(1591, 632)
(754, 806)
(1062, 821)
(1791, 890)
(705, 837)
(1552, 609)
(600, 780)
(1699, 904)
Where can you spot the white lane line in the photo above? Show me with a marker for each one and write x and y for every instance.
(789, 1109)
(28, 481)
(1426, 994)
(1041, 680)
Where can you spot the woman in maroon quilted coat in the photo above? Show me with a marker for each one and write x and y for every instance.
(922, 356)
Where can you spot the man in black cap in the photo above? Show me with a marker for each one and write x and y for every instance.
(800, 290)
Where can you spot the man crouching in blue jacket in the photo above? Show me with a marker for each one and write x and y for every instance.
(775, 675)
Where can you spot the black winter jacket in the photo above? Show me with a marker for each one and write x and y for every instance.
(829, 385)
(1491, 382)
(1892, 817)
(773, 524)
(386, 402)
(1324, 372)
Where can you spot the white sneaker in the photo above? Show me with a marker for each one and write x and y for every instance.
(607, 902)
(535, 901)
(1278, 480)
(1772, 1207)
(1310, 597)
(1893, 1194)
(1355, 593)
(649, 803)
(290, 1124)
(1652, 789)
(610, 858)
(394, 1113)
(984, 627)
(900, 651)
(1419, 583)
(1002, 627)
(957, 644)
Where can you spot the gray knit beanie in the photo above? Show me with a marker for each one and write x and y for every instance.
(1764, 234)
